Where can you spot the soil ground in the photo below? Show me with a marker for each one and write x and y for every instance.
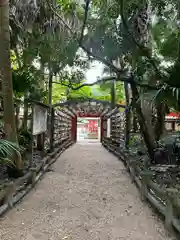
(88, 195)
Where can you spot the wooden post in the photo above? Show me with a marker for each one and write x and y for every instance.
(133, 170)
(102, 129)
(74, 129)
(128, 164)
(33, 170)
(144, 189)
(75, 123)
(168, 214)
(146, 176)
(169, 207)
(40, 143)
(43, 144)
(32, 134)
(173, 126)
(9, 194)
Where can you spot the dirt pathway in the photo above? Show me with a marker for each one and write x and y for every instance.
(87, 196)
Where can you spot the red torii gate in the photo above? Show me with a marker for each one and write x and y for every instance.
(173, 118)
(85, 115)
(174, 115)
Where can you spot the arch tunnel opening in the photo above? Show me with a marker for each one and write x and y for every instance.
(89, 118)
(88, 129)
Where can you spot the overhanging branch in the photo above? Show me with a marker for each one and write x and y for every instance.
(129, 79)
(142, 48)
(103, 60)
(102, 80)
(118, 71)
(89, 52)
(60, 18)
(85, 20)
(79, 41)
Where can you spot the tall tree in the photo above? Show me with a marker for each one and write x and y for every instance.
(6, 78)
(6, 73)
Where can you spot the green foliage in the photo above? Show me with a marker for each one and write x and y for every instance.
(22, 81)
(7, 149)
(135, 140)
(28, 80)
(45, 38)
(169, 48)
(85, 92)
(24, 137)
(62, 93)
(58, 93)
(106, 88)
(163, 43)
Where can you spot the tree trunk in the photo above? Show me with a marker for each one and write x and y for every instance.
(113, 94)
(17, 116)
(18, 57)
(128, 116)
(41, 136)
(50, 102)
(143, 127)
(50, 88)
(50, 98)
(160, 122)
(52, 131)
(42, 78)
(147, 111)
(42, 75)
(6, 74)
(135, 124)
(25, 114)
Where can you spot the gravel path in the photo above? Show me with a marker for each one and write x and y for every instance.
(87, 196)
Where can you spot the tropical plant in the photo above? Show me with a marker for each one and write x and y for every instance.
(7, 150)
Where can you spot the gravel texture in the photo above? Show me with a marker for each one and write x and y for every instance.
(88, 195)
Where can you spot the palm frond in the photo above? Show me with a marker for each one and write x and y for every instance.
(7, 149)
